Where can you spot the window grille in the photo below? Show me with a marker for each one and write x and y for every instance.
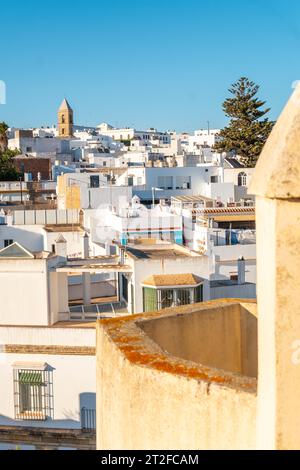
(33, 394)
(242, 179)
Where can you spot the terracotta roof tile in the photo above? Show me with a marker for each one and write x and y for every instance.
(163, 280)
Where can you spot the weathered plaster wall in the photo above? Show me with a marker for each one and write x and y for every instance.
(279, 327)
(148, 399)
(217, 337)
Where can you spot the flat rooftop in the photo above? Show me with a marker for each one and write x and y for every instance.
(227, 283)
(63, 228)
(159, 251)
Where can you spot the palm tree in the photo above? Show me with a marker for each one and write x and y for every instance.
(3, 136)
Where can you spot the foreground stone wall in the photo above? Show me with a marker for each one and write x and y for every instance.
(150, 399)
(220, 337)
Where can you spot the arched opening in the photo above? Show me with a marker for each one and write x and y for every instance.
(242, 179)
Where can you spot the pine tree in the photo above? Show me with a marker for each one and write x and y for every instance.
(247, 132)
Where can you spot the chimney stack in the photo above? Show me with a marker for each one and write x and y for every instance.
(61, 246)
(241, 271)
(86, 245)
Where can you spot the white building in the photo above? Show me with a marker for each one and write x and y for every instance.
(91, 190)
(161, 275)
(206, 137)
(167, 182)
(129, 133)
(226, 233)
(134, 222)
(48, 366)
(40, 143)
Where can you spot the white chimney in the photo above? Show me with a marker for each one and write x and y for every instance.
(241, 271)
(86, 245)
(61, 246)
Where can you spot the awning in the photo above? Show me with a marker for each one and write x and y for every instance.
(30, 377)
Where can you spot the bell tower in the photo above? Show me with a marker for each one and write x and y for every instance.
(65, 120)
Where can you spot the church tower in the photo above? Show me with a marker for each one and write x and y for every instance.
(65, 120)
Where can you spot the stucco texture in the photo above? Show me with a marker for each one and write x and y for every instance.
(152, 394)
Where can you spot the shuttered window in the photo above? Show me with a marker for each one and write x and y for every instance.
(150, 299)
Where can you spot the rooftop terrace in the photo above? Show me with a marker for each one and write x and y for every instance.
(159, 251)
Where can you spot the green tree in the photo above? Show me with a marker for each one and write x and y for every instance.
(3, 136)
(247, 132)
(8, 171)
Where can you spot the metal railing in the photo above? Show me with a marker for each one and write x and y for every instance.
(88, 419)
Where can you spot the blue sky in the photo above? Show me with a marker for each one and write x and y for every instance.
(143, 63)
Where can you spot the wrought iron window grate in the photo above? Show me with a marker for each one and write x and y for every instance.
(33, 394)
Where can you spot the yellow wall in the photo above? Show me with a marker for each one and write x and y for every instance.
(69, 197)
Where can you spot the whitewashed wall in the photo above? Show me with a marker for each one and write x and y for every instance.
(74, 377)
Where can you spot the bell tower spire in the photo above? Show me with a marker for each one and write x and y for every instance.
(65, 120)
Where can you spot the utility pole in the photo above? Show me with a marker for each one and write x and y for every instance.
(208, 127)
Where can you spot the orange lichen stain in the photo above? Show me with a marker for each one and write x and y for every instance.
(159, 362)
(142, 359)
(170, 367)
(190, 372)
(129, 348)
(139, 355)
(127, 339)
(114, 321)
